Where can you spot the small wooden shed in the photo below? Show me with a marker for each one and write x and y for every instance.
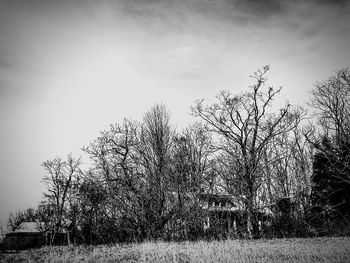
(27, 235)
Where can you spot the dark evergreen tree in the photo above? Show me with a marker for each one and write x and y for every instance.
(331, 190)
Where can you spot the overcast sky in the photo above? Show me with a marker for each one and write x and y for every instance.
(68, 69)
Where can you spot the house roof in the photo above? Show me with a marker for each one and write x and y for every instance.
(217, 197)
(30, 227)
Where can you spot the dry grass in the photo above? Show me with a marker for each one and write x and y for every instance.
(276, 250)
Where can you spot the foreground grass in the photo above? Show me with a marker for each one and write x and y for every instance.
(275, 250)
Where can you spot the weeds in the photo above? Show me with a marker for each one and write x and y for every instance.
(272, 250)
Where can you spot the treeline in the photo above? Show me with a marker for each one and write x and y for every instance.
(146, 177)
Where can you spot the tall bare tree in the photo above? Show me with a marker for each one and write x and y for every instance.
(192, 152)
(135, 159)
(245, 128)
(154, 151)
(59, 180)
(114, 155)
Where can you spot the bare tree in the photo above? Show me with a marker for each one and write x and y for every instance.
(245, 128)
(154, 152)
(91, 208)
(192, 152)
(193, 149)
(287, 168)
(112, 152)
(331, 100)
(115, 156)
(134, 158)
(59, 181)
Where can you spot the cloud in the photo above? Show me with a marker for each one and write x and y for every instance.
(32, 32)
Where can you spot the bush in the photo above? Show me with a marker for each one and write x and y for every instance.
(287, 226)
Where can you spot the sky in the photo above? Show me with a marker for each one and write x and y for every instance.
(69, 69)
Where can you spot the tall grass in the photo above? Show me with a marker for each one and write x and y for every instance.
(275, 250)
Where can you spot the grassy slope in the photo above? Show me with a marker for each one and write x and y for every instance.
(276, 250)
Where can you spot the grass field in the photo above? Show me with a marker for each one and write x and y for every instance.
(275, 250)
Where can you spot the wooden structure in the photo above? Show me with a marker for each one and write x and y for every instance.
(226, 215)
(223, 212)
(27, 235)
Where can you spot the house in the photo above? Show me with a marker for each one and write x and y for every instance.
(226, 214)
(27, 235)
(222, 212)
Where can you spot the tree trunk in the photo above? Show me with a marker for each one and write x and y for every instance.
(250, 218)
(249, 209)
